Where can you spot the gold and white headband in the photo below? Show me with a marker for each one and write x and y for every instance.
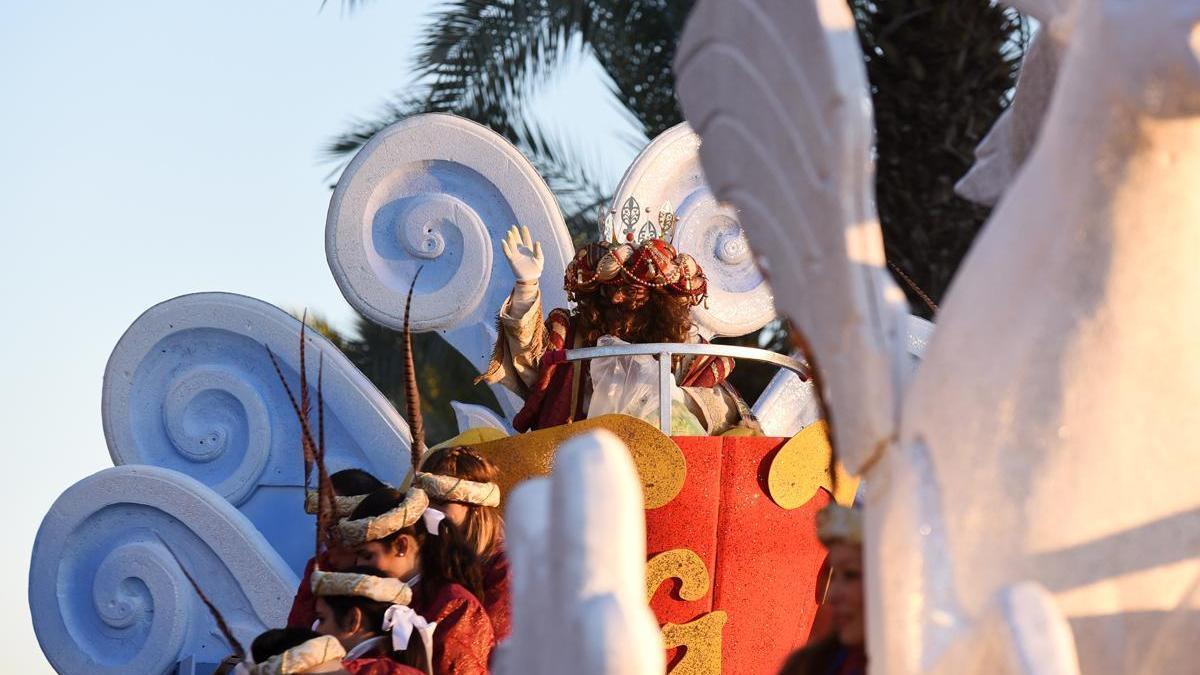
(342, 506)
(355, 532)
(299, 659)
(839, 523)
(452, 489)
(380, 589)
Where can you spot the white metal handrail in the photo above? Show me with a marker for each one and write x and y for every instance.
(663, 351)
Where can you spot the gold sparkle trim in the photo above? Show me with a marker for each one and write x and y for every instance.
(802, 466)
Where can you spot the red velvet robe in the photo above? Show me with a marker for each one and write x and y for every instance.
(497, 600)
(558, 394)
(377, 661)
(304, 609)
(378, 665)
(463, 639)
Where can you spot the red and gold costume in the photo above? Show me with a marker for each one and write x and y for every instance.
(463, 639)
(375, 660)
(304, 610)
(528, 357)
(378, 666)
(496, 593)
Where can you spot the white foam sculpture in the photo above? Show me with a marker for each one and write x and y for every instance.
(439, 191)
(190, 387)
(1006, 146)
(1032, 507)
(106, 591)
(577, 543)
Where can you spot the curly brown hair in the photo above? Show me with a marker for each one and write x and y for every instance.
(634, 314)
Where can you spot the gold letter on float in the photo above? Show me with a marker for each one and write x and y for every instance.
(700, 639)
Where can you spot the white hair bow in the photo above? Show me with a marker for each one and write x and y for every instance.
(401, 621)
(433, 518)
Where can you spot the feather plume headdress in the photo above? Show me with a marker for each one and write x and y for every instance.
(416, 501)
(454, 489)
(313, 446)
(302, 658)
(239, 652)
(380, 589)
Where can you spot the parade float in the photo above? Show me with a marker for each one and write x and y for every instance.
(996, 538)
(192, 406)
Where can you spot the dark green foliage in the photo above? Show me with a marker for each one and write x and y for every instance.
(940, 72)
(444, 374)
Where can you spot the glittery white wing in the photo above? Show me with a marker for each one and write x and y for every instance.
(777, 91)
(1004, 149)
(668, 172)
(1065, 369)
(439, 192)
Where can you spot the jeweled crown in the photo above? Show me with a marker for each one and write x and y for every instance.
(636, 228)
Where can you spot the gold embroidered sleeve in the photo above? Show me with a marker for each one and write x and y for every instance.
(520, 343)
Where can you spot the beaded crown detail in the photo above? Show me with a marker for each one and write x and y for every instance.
(638, 253)
(633, 229)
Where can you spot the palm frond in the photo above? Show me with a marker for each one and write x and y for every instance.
(362, 129)
(582, 222)
(479, 59)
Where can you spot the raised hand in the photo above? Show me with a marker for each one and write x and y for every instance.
(524, 255)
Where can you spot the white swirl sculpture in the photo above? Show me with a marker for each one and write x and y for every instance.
(668, 171)
(577, 542)
(106, 592)
(190, 387)
(1032, 505)
(439, 192)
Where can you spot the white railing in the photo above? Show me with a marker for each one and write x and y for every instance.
(663, 351)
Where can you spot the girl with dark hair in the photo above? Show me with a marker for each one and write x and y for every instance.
(398, 534)
(291, 651)
(350, 487)
(462, 483)
(368, 613)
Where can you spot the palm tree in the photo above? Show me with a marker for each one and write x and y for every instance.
(941, 72)
(378, 352)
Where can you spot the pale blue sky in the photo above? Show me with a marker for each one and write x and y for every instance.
(150, 149)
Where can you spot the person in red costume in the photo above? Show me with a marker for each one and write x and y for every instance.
(369, 615)
(462, 483)
(843, 652)
(637, 291)
(398, 534)
(350, 486)
(292, 651)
